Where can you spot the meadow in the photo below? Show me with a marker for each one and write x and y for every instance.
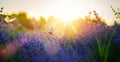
(87, 39)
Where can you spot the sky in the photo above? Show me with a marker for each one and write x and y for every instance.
(61, 8)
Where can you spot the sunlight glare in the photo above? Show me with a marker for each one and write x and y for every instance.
(67, 19)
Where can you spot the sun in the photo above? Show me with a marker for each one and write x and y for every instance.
(67, 16)
(67, 19)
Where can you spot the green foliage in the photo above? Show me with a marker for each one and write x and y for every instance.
(42, 22)
(104, 47)
(22, 18)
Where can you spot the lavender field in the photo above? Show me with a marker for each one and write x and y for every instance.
(89, 39)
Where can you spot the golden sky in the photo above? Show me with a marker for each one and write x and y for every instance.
(61, 8)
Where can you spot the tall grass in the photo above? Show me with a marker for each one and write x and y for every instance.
(104, 47)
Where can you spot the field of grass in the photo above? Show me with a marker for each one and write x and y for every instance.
(84, 40)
